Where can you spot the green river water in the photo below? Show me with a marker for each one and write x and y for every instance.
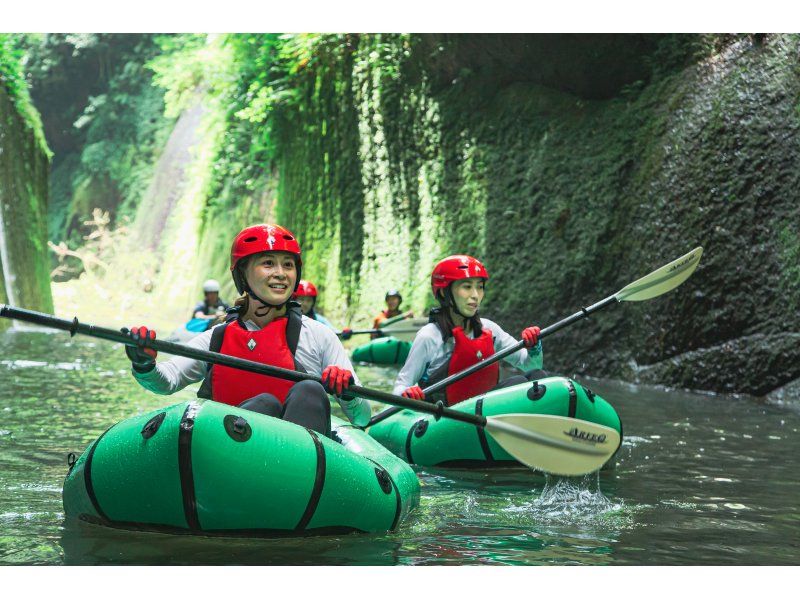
(701, 479)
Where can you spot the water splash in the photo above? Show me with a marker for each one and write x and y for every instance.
(568, 501)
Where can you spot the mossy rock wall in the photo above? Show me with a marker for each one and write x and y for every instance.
(24, 168)
(403, 151)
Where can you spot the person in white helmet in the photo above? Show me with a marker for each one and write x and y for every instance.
(212, 306)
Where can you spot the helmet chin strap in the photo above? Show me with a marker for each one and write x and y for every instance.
(269, 306)
(450, 302)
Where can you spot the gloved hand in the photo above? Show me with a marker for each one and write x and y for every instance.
(347, 333)
(414, 392)
(336, 379)
(142, 359)
(531, 336)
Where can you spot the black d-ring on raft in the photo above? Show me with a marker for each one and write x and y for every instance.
(152, 426)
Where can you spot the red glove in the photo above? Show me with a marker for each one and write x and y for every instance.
(531, 336)
(336, 379)
(142, 358)
(346, 333)
(414, 392)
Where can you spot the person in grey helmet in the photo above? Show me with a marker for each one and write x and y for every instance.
(212, 306)
(393, 300)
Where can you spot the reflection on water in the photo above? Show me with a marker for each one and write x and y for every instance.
(699, 480)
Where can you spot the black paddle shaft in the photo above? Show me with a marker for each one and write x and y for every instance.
(380, 331)
(578, 315)
(434, 388)
(75, 327)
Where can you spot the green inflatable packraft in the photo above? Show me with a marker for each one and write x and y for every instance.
(207, 468)
(384, 351)
(420, 439)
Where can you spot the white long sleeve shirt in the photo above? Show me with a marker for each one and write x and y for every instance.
(317, 347)
(429, 353)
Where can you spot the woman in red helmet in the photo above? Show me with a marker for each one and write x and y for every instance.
(457, 338)
(306, 296)
(266, 267)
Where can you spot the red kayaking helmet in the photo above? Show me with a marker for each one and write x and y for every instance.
(456, 267)
(305, 288)
(260, 238)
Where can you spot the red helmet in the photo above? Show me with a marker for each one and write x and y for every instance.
(260, 238)
(456, 267)
(305, 288)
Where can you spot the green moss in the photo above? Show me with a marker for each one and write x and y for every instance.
(384, 153)
(23, 200)
(13, 81)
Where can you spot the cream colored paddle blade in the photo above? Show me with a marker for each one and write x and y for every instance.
(405, 330)
(554, 444)
(662, 280)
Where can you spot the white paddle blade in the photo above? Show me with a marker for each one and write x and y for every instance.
(554, 444)
(662, 280)
(405, 330)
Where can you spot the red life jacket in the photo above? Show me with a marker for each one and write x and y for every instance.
(467, 352)
(268, 345)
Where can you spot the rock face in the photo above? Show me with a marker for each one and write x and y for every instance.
(569, 183)
(24, 166)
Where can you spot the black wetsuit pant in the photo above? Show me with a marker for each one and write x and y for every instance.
(306, 405)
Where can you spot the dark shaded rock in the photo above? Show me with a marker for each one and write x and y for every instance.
(753, 365)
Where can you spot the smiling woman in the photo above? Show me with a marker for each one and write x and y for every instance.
(458, 338)
(265, 327)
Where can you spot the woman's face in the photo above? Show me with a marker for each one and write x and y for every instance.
(272, 275)
(468, 294)
(393, 303)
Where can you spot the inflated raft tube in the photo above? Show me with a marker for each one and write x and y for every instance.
(203, 467)
(383, 351)
(420, 439)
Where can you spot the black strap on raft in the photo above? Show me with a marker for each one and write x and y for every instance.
(411, 432)
(87, 478)
(573, 399)
(319, 483)
(185, 465)
(487, 453)
(293, 328)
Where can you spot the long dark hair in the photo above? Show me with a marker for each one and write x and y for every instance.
(441, 316)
